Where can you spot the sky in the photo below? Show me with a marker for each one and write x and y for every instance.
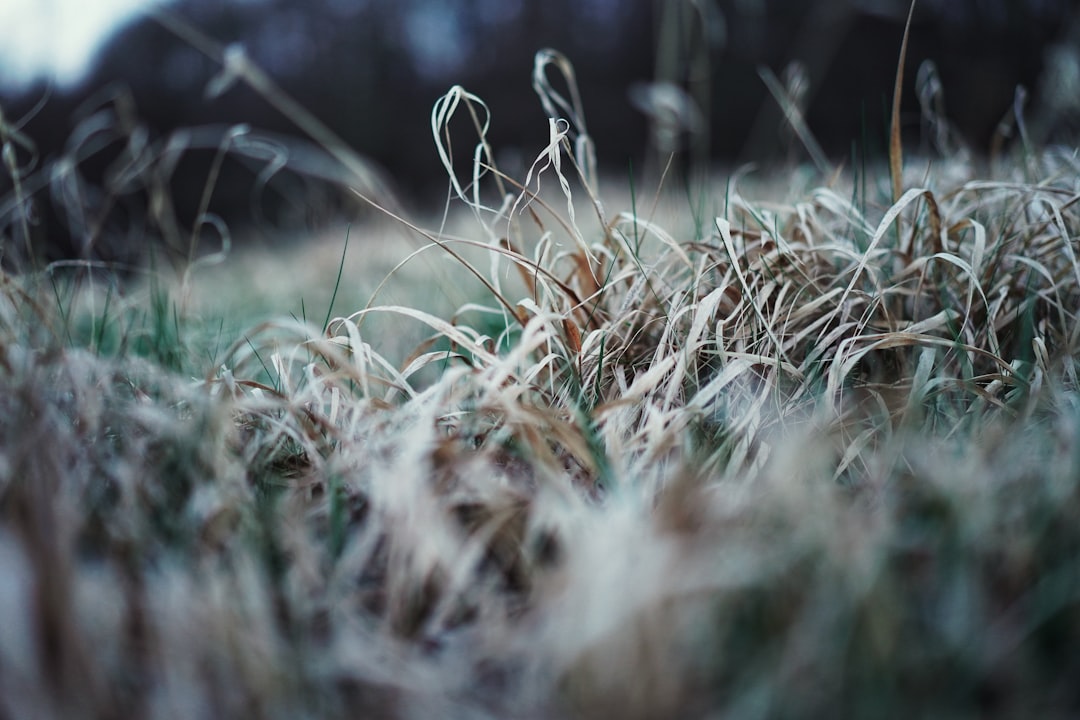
(56, 38)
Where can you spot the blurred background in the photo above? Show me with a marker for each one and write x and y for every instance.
(108, 116)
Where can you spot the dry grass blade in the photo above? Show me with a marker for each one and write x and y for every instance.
(795, 118)
(896, 150)
(11, 141)
(557, 106)
(441, 114)
(237, 67)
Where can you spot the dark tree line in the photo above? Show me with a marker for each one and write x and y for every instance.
(372, 69)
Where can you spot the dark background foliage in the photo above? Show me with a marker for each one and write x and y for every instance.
(371, 70)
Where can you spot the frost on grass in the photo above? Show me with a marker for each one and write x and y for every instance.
(812, 456)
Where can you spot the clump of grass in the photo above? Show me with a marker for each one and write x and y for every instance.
(815, 457)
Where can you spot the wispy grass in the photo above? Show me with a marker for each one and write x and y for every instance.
(816, 457)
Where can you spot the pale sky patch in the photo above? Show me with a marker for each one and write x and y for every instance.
(57, 39)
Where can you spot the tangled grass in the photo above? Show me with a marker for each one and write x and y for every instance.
(817, 456)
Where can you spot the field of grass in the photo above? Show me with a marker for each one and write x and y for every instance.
(776, 450)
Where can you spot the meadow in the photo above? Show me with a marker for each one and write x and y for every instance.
(800, 445)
